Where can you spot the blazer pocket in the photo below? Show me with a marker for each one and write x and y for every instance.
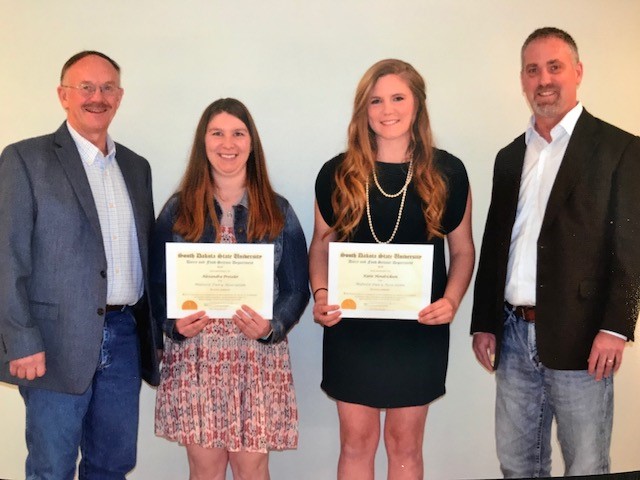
(588, 288)
(43, 311)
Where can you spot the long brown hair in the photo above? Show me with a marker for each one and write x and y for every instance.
(196, 191)
(348, 198)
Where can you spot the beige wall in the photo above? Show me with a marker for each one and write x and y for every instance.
(296, 65)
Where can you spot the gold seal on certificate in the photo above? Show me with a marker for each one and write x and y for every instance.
(219, 278)
(370, 280)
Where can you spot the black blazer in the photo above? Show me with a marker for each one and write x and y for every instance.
(588, 266)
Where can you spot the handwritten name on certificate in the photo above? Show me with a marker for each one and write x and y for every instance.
(219, 278)
(370, 280)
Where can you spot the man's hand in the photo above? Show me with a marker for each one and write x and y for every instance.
(606, 355)
(28, 367)
(484, 346)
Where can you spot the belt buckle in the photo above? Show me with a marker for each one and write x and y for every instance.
(527, 313)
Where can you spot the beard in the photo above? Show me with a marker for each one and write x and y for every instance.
(545, 108)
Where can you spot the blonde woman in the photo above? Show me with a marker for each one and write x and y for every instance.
(390, 186)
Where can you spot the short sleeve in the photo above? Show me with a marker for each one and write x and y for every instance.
(457, 180)
(325, 184)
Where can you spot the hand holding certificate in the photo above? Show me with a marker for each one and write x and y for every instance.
(371, 280)
(219, 278)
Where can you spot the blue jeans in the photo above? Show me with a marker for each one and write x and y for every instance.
(102, 422)
(529, 396)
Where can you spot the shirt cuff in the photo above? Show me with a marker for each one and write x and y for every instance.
(615, 334)
(267, 336)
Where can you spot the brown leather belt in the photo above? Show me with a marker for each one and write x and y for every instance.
(525, 312)
(115, 308)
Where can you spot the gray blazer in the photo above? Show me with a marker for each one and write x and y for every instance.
(53, 282)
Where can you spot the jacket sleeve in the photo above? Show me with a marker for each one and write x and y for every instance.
(293, 278)
(162, 234)
(19, 335)
(622, 304)
(488, 281)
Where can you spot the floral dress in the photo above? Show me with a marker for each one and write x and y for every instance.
(221, 389)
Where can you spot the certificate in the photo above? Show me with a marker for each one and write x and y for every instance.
(370, 280)
(219, 278)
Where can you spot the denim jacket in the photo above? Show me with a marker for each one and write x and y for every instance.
(291, 265)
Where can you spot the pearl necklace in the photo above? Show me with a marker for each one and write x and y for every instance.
(402, 191)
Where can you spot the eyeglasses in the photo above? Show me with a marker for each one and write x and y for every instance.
(87, 90)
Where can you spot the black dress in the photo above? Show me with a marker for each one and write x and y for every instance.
(392, 363)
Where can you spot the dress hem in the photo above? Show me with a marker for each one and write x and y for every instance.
(233, 450)
(379, 405)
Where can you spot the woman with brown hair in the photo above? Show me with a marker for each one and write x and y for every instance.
(391, 186)
(226, 389)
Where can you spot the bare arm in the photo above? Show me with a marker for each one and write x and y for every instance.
(461, 261)
(327, 315)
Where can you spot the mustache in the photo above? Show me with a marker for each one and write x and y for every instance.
(547, 88)
(95, 105)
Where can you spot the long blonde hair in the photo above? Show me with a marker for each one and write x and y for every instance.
(196, 189)
(349, 198)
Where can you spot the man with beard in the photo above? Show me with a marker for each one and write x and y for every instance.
(558, 282)
(76, 333)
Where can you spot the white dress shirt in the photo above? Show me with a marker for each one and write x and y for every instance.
(541, 164)
(119, 235)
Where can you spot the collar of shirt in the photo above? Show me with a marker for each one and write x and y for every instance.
(244, 201)
(567, 124)
(89, 153)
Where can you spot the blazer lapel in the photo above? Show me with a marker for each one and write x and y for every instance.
(71, 162)
(579, 151)
(510, 184)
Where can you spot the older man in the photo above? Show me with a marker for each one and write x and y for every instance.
(76, 333)
(558, 284)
